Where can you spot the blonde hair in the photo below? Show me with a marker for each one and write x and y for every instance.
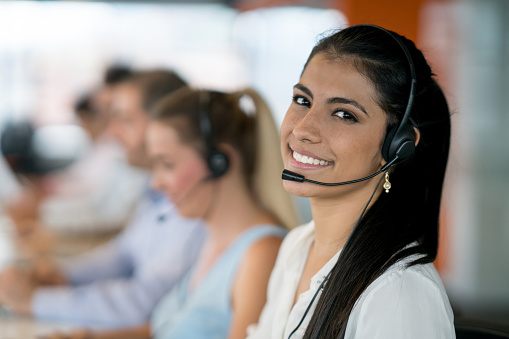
(254, 137)
(267, 182)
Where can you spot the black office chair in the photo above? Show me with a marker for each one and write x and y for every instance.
(480, 329)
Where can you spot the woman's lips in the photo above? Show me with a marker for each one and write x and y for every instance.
(306, 160)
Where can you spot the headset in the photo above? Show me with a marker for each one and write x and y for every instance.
(398, 146)
(399, 143)
(217, 161)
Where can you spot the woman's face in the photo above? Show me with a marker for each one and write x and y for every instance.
(178, 170)
(333, 129)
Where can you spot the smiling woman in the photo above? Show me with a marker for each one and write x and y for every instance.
(366, 104)
(206, 156)
(347, 138)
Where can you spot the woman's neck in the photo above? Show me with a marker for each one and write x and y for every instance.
(336, 216)
(232, 211)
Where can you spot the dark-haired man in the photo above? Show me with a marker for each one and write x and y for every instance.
(119, 283)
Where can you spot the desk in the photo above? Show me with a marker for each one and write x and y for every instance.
(14, 327)
(26, 328)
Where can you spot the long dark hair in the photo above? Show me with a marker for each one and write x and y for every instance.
(410, 212)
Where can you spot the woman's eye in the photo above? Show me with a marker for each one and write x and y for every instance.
(161, 164)
(300, 100)
(345, 115)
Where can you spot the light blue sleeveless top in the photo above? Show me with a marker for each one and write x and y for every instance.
(206, 312)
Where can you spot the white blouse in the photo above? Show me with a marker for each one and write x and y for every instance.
(402, 303)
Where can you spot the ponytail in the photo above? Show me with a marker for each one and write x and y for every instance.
(267, 184)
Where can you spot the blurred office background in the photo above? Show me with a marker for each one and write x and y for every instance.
(51, 52)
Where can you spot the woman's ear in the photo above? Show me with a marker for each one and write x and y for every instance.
(417, 135)
(226, 149)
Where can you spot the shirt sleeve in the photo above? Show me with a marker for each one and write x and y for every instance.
(112, 303)
(403, 305)
(113, 259)
(124, 300)
(107, 261)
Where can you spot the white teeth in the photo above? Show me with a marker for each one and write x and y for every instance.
(308, 160)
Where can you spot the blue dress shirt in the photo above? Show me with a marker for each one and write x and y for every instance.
(119, 283)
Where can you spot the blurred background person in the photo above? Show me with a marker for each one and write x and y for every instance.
(24, 171)
(92, 196)
(97, 193)
(119, 283)
(217, 162)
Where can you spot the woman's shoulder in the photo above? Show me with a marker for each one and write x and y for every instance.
(409, 281)
(261, 242)
(272, 244)
(424, 277)
(414, 296)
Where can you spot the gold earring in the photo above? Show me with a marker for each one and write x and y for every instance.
(387, 184)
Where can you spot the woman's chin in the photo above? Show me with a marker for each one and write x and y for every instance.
(300, 189)
(185, 212)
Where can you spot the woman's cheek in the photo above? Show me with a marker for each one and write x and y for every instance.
(187, 177)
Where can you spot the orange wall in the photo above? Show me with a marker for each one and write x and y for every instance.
(400, 16)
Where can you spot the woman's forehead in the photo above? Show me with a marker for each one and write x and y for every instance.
(337, 76)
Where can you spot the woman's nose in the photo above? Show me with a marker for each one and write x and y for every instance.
(307, 129)
(155, 182)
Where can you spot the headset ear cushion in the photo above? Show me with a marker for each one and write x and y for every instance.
(218, 163)
(400, 144)
(403, 144)
(387, 143)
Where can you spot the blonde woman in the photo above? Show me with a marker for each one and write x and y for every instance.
(208, 155)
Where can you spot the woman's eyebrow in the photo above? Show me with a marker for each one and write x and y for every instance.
(340, 100)
(335, 100)
(304, 89)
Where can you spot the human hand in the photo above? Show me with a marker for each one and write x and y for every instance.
(39, 241)
(16, 290)
(23, 210)
(45, 271)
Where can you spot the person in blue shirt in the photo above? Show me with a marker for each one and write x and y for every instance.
(119, 283)
(217, 162)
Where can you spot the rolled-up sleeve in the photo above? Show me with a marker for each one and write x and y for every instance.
(112, 303)
(108, 261)
(120, 283)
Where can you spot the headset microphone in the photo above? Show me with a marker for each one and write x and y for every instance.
(162, 217)
(292, 176)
